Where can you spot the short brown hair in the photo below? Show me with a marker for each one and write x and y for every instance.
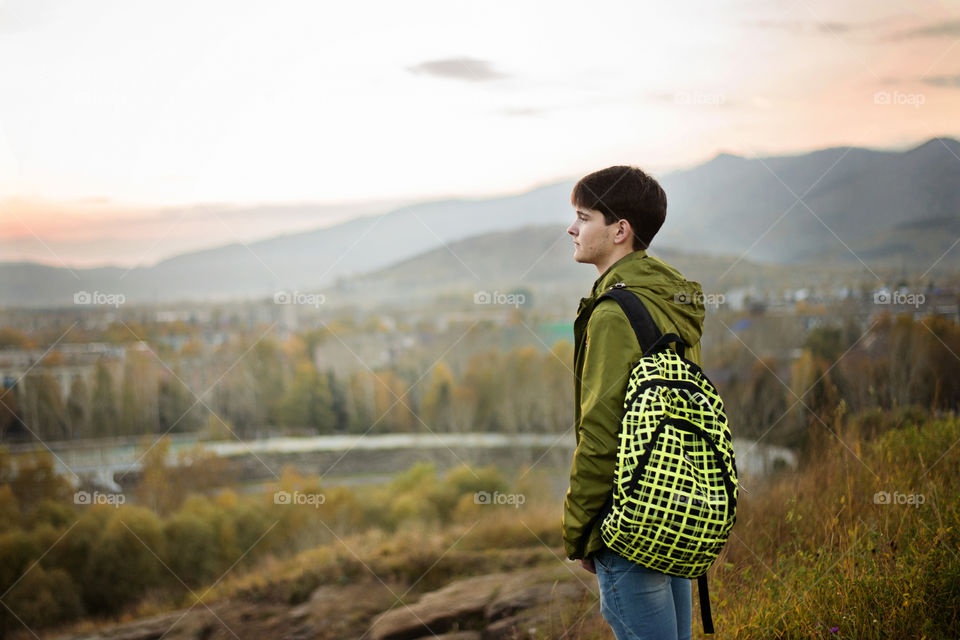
(626, 193)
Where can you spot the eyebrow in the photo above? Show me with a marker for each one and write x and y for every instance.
(582, 213)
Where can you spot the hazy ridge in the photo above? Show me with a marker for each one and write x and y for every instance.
(842, 207)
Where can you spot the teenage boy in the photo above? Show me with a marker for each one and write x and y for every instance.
(618, 212)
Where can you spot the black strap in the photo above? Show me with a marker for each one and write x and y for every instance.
(648, 335)
(705, 616)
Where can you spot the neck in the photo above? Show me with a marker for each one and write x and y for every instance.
(614, 256)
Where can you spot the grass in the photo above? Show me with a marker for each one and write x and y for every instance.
(819, 553)
(816, 553)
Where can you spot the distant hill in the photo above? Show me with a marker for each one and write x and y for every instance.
(888, 209)
(916, 244)
(540, 260)
(850, 197)
(307, 260)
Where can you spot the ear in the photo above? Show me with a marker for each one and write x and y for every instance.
(624, 232)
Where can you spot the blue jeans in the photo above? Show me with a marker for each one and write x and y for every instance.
(642, 604)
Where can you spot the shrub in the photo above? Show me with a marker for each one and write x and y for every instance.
(125, 562)
(190, 548)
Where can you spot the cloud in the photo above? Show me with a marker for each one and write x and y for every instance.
(943, 81)
(869, 28)
(462, 68)
(944, 29)
(798, 27)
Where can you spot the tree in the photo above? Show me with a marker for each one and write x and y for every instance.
(164, 486)
(264, 368)
(144, 375)
(156, 489)
(339, 405)
(484, 376)
(11, 338)
(129, 409)
(9, 509)
(37, 479)
(308, 403)
(11, 422)
(438, 399)
(124, 563)
(104, 417)
(43, 597)
(78, 408)
(47, 414)
(558, 379)
(391, 404)
(360, 401)
(191, 548)
(177, 408)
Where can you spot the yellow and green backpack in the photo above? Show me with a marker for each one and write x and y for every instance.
(675, 487)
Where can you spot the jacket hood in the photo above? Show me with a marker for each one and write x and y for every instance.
(661, 286)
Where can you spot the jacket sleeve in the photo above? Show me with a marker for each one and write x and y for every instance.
(611, 351)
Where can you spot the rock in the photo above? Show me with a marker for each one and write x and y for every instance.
(457, 606)
(485, 603)
(518, 595)
(318, 598)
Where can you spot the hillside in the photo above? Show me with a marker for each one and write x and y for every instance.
(859, 542)
(540, 260)
(849, 195)
(888, 209)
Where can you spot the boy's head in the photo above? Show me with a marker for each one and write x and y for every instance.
(624, 193)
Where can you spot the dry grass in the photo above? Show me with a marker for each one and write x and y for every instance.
(813, 554)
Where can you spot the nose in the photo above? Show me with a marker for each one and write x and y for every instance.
(572, 229)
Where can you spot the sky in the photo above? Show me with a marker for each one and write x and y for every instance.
(132, 130)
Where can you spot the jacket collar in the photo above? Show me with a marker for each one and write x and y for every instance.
(617, 272)
(620, 270)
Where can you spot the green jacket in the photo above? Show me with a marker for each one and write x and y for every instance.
(605, 350)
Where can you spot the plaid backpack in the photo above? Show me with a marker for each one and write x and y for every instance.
(675, 487)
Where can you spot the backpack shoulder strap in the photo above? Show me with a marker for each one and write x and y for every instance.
(705, 617)
(648, 335)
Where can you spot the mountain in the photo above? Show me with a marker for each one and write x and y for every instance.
(836, 206)
(308, 260)
(538, 260)
(800, 208)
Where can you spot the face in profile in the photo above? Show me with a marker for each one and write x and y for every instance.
(592, 236)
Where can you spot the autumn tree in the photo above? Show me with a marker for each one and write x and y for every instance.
(104, 413)
(78, 408)
(309, 401)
